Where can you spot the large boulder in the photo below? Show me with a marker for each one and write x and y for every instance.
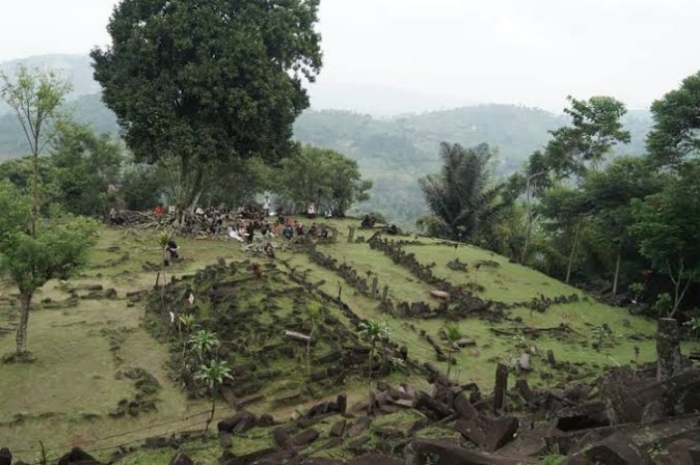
(421, 451)
(239, 423)
(647, 401)
(359, 427)
(489, 434)
(304, 438)
(5, 456)
(617, 449)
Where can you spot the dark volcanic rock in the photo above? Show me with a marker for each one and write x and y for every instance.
(5, 456)
(239, 423)
(304, 438)
(77, 456)
(618, 449)
(338, 429)
(181, 459)
(421, 451)
(359, 427)
(489, 434)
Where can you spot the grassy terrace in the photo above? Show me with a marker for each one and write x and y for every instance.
(65, 397)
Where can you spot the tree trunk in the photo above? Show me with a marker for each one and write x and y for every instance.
(573, 249)
(213, 409)
(25, 303)
(528, 230)
(371, 357)
(617, 269)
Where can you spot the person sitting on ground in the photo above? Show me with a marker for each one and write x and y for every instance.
(313, 230)
(233, 234)
(328, 215)
(311, 211)
(324, 233)
(288, 232)
(299, 229)
(172, 247)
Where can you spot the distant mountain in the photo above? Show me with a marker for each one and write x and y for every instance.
(393, 152)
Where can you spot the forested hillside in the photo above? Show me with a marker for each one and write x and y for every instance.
(393, 152)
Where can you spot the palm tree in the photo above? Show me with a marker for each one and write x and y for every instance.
(453, 334)
(374, 332)
(314, 313)
(461, 197)
(213, 375)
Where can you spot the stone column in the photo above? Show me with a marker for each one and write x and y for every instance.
(501, 387)
(668, 349)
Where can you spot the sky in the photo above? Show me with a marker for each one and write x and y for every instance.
(438, 53)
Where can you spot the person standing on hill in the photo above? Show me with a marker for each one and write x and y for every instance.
(266, 206)
(159, 210)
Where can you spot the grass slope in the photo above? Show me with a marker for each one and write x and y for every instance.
(65, 397)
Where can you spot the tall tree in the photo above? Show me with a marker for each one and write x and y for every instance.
(674, 136)
(610, 193)
(575, 150)
(461, 197)
(31, 259)
(36, 99)
(85, 167)
(321, 176)
(667, 226)
(198, 80)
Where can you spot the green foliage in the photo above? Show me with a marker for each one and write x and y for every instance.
(596, 127)
(84, 169)
(321, 176)
(601, 335)
(461, 199)
(663, 305)
(35, 97)
(453, 334)
(33, 252)
(204, 344)
(554, 459)
(667, 226)
(637, 289)
(674, 136)
(213, 374)
(141, 186)
(374, 331)
(233, 88)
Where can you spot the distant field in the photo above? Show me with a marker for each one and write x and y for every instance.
(65, 397)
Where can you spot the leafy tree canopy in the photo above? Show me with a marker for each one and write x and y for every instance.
(674, 136)
(206, 79)
(667, 226)
(323, 177)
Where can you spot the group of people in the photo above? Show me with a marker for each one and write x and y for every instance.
(244, 230)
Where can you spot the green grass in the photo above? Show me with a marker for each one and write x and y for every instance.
(65, 397)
